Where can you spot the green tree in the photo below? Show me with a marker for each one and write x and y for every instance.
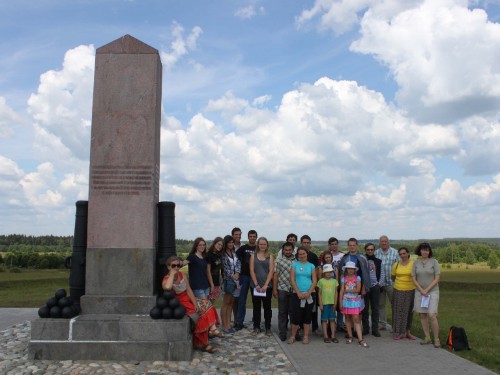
(470, 258)
(492, 260)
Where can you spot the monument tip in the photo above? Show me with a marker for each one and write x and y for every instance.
(127, 44)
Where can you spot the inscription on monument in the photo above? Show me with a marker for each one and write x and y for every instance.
(121, 180)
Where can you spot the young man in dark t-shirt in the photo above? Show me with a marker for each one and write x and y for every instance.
(244, 253)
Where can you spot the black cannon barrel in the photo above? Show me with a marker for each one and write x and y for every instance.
(76, 262)
(166, 239)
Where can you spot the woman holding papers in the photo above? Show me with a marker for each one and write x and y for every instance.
(403, 296)
(426, 274)
(261, 273)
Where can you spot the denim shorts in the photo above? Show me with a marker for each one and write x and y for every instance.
(328, 313)
(201, 293)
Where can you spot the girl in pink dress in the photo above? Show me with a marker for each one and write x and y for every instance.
(350, 302)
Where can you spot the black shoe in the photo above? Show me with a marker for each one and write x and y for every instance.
(283, 337)
(237, 327)
(376, 333)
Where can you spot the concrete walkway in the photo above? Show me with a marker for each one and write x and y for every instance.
(384, 356)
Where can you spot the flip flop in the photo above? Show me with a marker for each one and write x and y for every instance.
(209, 349)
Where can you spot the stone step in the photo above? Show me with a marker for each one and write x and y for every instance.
(111, 337)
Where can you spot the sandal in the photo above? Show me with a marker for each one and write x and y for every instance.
(326, 340)
(216, 333)
(207, 349)
(291, 340)
(335, 340)
(305, 340)
(363, 344)
(349, 340)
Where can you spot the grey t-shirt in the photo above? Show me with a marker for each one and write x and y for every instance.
(425, 273)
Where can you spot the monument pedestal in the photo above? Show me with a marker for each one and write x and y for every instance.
(111, 337)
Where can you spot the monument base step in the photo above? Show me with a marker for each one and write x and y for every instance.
(111, 337)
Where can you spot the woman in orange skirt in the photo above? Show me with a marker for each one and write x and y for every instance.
(205, 316)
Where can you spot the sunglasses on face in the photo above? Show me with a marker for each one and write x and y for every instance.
(176, 265)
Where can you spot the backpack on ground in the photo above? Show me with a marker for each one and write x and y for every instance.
(457, 339)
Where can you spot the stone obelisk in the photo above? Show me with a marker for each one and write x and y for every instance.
(122, 222)
(124, 177)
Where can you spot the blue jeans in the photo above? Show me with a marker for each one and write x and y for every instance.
(201, 293)
(242, 301)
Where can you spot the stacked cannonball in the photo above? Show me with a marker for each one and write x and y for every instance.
(59, 306)
(167, 307)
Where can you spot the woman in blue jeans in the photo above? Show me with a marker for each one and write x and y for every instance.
(198, 269)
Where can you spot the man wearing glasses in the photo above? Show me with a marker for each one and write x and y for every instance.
(372, 297)
(388, 255)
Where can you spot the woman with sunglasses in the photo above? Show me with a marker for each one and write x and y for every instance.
(205, 319)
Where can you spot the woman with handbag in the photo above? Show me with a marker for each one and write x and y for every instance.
(205, 318)
(231, 268)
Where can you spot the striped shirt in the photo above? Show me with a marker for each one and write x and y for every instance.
(388, 260)
(282, 267)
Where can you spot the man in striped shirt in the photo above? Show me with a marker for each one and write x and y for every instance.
(282, 289)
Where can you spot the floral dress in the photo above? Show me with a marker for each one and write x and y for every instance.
(351, 303)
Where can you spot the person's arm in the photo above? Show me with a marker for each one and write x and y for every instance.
(191, 296)
(313, 285)
(168, 282)
(294, 284)
(252, 272)
(269, 274)
(320, 299)
(209, 277)
(341, 297)
(237, 269)
(275, 284)
(336, 299)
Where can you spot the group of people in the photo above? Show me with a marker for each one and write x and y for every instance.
(349, 291)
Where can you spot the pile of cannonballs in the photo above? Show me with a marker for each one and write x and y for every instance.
(167, 307)
(59, 306)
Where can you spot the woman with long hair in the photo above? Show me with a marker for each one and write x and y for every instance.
(214, 268)
(205, 319)
(261, 273)
(231, 268)
(426, 274)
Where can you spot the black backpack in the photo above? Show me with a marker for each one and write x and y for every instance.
(457, 339)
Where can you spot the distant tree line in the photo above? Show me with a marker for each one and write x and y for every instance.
(50, 251)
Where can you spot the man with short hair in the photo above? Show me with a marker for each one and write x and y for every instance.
(333, 247)
(236, 234)
(373, 295)
(361, 262)
(388, 255)
(282, 288)
(292, 238)
(244, 253)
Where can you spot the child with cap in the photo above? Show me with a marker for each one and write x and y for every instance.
(350, 302)
(327, 300)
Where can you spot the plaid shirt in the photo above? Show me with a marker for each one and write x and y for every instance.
(282, 266)
(388, 261)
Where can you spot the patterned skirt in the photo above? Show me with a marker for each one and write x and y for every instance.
(402, 311)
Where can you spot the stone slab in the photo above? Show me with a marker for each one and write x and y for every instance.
(111, 337)
(101, 304)
(120, 271)
(111, 351)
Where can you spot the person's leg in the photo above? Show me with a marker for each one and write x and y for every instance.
(357, 326)
(227, 305)
(366, 314)
(348, 325)
(411, 297)
(435, 328)
(256, 302)
(374, 304)
(314, 316)
(268, 312)
(283, 303)
(382, 307)
(236, 301)
(332, 328)
(242, 304)
(425, 327)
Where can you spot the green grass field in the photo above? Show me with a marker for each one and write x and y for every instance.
(469, 298)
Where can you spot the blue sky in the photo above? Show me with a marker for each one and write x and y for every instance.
(332, 118)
